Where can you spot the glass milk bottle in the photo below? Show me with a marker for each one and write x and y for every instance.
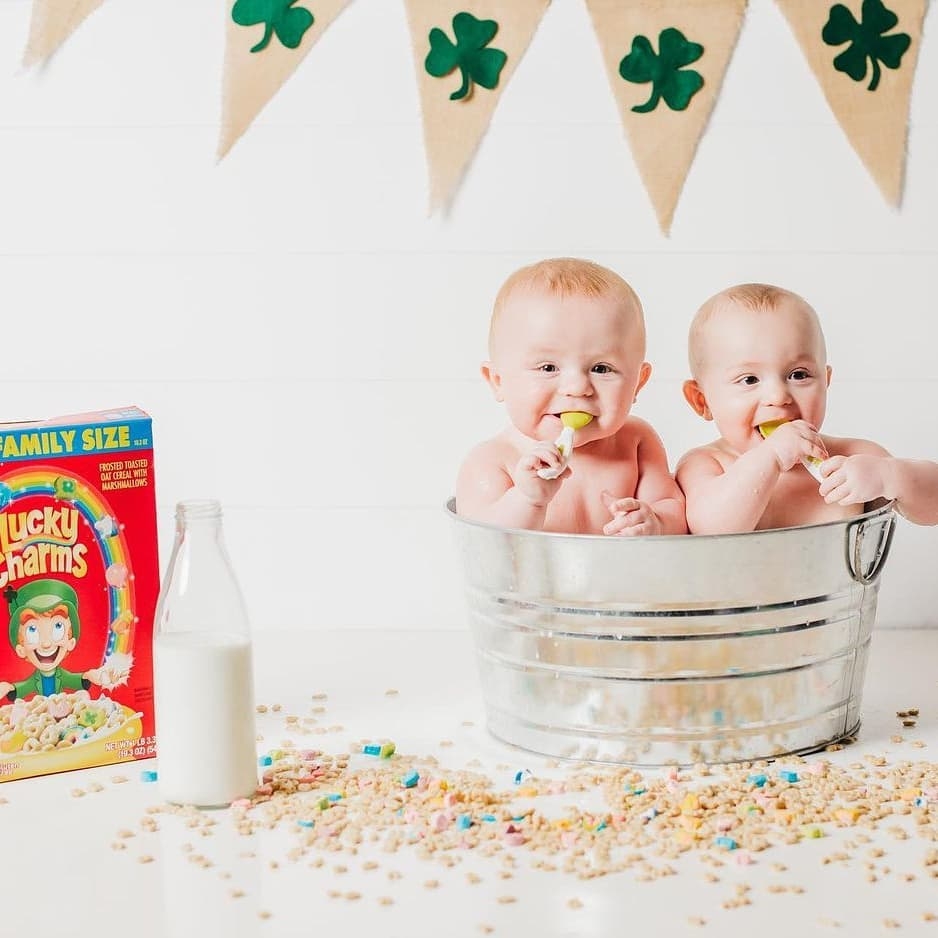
(202, 669)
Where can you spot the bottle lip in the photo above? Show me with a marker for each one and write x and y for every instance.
(198, 508)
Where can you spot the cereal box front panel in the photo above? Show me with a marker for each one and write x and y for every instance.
(78, 586)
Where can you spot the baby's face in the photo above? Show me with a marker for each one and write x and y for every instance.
(555, 354)
(761, 366)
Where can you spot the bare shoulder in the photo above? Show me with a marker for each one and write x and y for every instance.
(485, 467)
(848, 446)
(708, 459)
(641, 430)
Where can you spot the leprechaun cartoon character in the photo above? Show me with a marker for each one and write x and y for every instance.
(44, 628)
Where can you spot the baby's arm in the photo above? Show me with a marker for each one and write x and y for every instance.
(658, 505)
(725, 497)
(862, 477)
(486, 490)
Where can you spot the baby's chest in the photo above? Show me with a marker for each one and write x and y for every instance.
(796, 501)
(578, 506)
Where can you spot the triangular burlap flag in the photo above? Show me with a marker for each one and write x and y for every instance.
(665, 60)
(458, 102)
(863, 55)
(52, 22)
(252, 78)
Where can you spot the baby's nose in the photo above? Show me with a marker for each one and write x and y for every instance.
(775, 391)
(576, 383)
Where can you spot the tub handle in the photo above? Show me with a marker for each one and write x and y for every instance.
(857, 532)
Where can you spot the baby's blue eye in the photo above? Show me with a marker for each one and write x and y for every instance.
(602, 369)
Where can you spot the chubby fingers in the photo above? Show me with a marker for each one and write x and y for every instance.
(633, 522)
(620, 506)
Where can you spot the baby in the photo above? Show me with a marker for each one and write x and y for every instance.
(757, 356)
(566, 336)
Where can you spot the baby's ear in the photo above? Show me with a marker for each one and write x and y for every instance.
(829, 372)
(695, 397)
(492, 378)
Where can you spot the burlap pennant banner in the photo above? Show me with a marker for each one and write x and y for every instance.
(465, 54)
(264, 44)
(863, 55)
(665, 60)
(52, 22)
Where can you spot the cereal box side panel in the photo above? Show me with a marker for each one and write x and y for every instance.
(79, 579)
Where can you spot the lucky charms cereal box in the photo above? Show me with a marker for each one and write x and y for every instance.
(79, 579)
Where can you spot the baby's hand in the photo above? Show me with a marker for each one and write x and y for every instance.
(794, 441)
(537, 490)
(630, 517)
(853, 480)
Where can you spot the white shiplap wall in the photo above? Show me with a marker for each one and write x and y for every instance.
(307, 339)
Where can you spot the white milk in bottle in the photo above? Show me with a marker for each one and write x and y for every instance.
(202, 669)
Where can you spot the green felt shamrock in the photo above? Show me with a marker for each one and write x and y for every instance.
(664, 70)
(289, 22)
(866, 40)
(468, 54)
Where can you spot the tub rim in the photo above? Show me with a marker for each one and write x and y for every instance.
(880, 506)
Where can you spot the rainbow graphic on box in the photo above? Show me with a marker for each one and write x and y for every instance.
(109, 536)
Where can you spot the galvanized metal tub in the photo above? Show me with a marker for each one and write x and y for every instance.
(677, 649)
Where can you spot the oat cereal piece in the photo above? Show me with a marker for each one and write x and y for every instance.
(890, 923)
(485, 929)
(828, 922)
(929, 917)
(319, 696)
(697, 920)
(385, 900)
(574, 903)
(431, 884)
(473, 878)
(506, 900)
(264, 914)
(236, 893)
(144, 858)
(77, 793)
(391, 692)
(261, 708)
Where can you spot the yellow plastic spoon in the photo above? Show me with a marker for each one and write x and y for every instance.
(572, 420)
(811, 463)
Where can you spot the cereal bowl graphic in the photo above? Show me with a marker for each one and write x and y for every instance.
(65, 731)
